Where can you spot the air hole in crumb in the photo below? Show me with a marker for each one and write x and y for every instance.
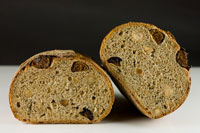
(48, 90)
(42, 82)
(82, 92)
(49, 108)
(165, 106)
(76, 107)
(120, 33)
(152, 55)
(18, 104)
(134, 63)
(118, 70)
(134, 51)
(57, 72)
(93, 97)
(139, 71)
(24, 119)
(70, 78)
(53, 101)
(122, 46)
(151, 88)
(42, 115)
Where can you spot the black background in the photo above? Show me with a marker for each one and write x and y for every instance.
(31, 26)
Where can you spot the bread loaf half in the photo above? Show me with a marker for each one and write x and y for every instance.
(60, 86)
(148, 66)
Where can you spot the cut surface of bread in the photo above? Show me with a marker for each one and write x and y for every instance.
(60, 86)
(148, 66)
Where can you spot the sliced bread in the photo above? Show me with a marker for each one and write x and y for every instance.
(148, 66)
(60, 86)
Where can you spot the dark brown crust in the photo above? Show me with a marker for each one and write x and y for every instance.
(60, 54)
(126, 89)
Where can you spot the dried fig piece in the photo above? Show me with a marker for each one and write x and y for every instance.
(139, 71)
(157, 35)
(115, 60)
(42, 62)
(64, 102)
(18, 104)
(182, 58)
(79, 66)
(87, 113)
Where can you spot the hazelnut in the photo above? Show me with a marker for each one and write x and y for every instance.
(28, 93)
(148, 49)
(168, 91)
(137, 36)
(170, 103)
(75, 80)
(157, 111)
(91, 79)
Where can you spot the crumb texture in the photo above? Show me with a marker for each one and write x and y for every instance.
(61, 90)
(151, 65)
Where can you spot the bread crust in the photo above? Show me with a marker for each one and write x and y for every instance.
(121, 84)
(60, 54)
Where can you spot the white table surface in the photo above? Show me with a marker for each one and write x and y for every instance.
(123, 118)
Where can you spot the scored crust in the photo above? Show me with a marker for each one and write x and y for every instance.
(60, 54)
(123, 87)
